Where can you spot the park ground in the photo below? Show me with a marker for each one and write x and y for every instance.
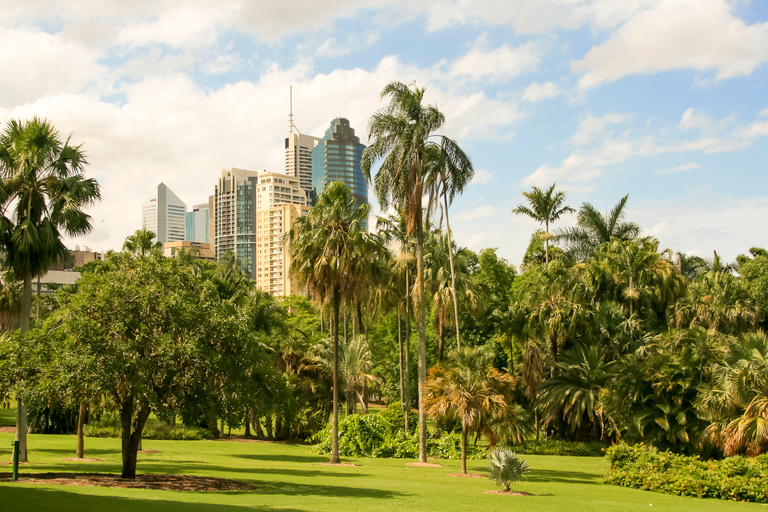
(288, 477)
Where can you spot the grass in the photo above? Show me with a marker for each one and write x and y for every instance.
(287, 479)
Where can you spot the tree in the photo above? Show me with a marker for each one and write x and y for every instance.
(593, 228)
(400, 135)
(546, 206)
(330, 251)
(158, 331)
(470, 389)
(140, 243)
(46, 193)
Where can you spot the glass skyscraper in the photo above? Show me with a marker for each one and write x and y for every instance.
(336, 157)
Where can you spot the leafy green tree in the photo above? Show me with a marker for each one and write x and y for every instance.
(44, 194)
(593, 229)
(400, 134)
(469, 388)
(536, 253)
(546, 207)
(330, 251)
(754, 270)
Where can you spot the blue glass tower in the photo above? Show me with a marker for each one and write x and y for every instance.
(337, 158)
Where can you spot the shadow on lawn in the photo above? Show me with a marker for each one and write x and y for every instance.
(569, 477)
(294, 489)
(285, 458)
(44, 500)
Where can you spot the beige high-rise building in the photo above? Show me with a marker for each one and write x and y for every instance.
(298, 159)
(279, 201)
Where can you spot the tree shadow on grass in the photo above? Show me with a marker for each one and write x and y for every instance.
(305, 473)
(569, 477)
(294, 489)
(44, 500)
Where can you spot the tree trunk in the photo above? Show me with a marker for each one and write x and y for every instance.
(335, 327)
(422, 326)
(400, 362)
(546, 242)
(440, 336)
(81, 417)
(247, 433)
(21, 409)
(407, 350)
(464, 447)
(453, 272)
(131, 438)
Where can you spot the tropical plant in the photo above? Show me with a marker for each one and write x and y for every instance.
(140, 243)
(330, 253)
(546, 207)
(467, 387)
(593, 228)
(400, 134)
(506, 468)
(46, 194)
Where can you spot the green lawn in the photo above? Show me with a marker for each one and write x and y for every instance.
(287, 479)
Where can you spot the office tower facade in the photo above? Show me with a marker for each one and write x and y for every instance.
(298, 159)
(280, 201)
(197, 223)
(164, 215)
(234, 216)
(336, 157)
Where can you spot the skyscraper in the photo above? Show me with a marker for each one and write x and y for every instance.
(197, 223)
(337, 158)
(298, 154)
(164, 215)
(234, 207)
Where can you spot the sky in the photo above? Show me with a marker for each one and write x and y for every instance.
(664, 100)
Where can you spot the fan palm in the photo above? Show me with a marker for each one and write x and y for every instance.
(470, 389)
(593, 228)
(505, 468)
(546, 206)
(330, 250)
(400, 134)
(46, 193)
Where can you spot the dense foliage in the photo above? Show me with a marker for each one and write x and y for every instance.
(643, 467)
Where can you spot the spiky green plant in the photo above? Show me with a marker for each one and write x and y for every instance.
(506, 468)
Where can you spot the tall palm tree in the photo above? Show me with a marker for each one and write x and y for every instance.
(400, 134)
(546, 206)
(43, 194)
(330, 249)
(470, 389)
(448, 175)
(593, 228)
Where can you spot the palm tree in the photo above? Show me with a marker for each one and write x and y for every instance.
(140, 242)
(330, 250)
(470, 389)
(449, 174)
(400, 136)
(45, 191)
(593, 228)
(546, 206)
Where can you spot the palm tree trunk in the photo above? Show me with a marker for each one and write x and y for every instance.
(464, 447)
(440, 336)
(83, 413)
(335, 327)
(400, 361)
(453, 272)
(546, 242)
(422, 326)
(21, 409)
(407, 349)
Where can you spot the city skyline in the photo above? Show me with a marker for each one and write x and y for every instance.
(661, 99)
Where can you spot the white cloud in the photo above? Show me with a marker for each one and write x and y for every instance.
(679, 168)
(592, 128)
(499, 64)
(482, 177)
(693, 118)
(537, 92)
(701, 35)
(474, 213)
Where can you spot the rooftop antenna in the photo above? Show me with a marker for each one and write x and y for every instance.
(291, 125)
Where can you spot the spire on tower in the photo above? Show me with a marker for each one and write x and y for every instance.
(291, 125)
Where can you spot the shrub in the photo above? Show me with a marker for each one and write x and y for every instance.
(571, 448)
(643, 467)
(505, 468)
(109, 426)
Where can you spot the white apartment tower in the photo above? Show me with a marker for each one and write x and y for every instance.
(234, 216)
(298, 154)
(165, 215)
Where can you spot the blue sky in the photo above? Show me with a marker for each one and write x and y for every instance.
(665, 100)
